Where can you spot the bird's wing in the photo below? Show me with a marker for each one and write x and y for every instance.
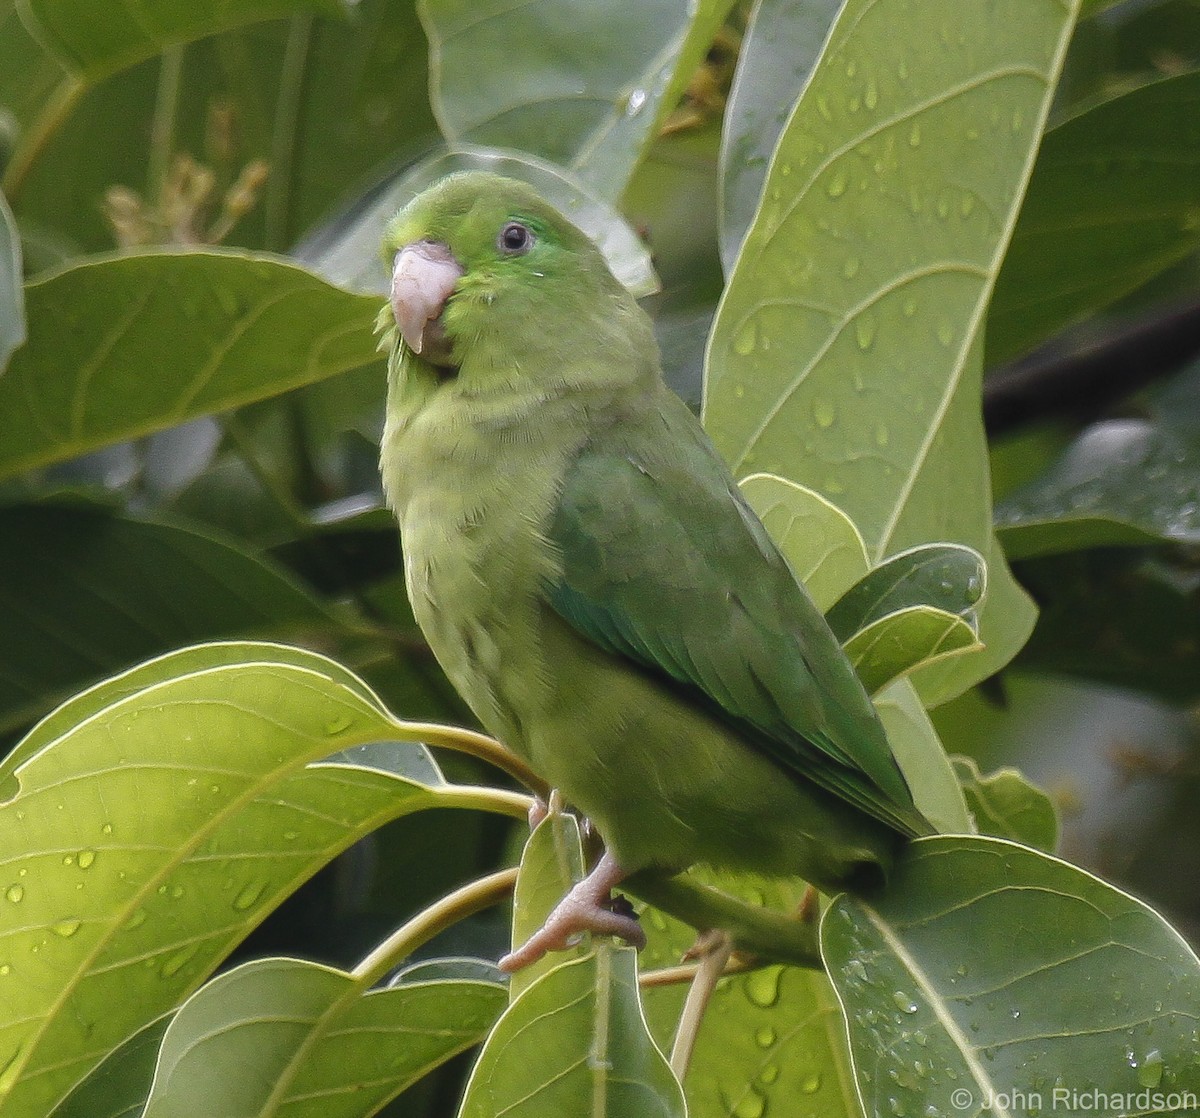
(665, 564)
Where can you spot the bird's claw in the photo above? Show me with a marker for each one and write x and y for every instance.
(588, 907)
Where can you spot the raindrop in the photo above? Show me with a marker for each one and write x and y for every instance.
(636, 102)
(173, 964)
(837, 185)
(750, 1105)
(966, 204)
(910, 307)
(914, 136)
(5, 970)
(824, 413)
(769, 1074)
(850, 268)
(15, 893)
(249, 895)
(945, 332)
(851, 69)
(762, 986)
(746, 339)
(338, 723)
(739, 391)
(881, 435)
(765, 1037)
(135, 921)
(68, 859)
(823, 107)
(811, 1083)
(904, 1002)
(864, 331)
(106, 829)
(67, 928)
(1150, 1069)
(871, 97)
(943, 207)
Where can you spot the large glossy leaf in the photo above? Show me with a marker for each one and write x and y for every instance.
(12, 302)
(1077, 988)
(85, 592)
(152, 821)
(576, 1043)
(780, 48)
(1122, 481)
(123, 346)
(585, 90)
(846, 352)
(280, 1037)
(1112, 202)
(906, 640)
(94, 38)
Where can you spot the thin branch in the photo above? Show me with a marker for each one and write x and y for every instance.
(712, 967)
(1058, 382)
(471, 898)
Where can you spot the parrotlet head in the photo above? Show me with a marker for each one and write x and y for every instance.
(482, 263)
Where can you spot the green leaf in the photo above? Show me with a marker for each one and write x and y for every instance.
(1125, 617)
(906, 640)
(586, 89)
(351, 257)
(122, 346)
(1007, 805)
(1075, 988)
(1123, 481)
(117, 1087)
(94, 38)
(825, 550)
(922, 759)
(551, 863)
(575, 1043)
(12, 301)
(286, 1036)
(28, 76)
(847, 350)
(186, 790)
(85, 592)
(915, 608)
(1113, 202)
(946, 577)
(782, 43)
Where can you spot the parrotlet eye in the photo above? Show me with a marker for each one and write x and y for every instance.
(515, 239)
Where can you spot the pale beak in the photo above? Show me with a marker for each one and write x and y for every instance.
(423, 279)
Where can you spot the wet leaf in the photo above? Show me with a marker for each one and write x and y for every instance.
(1007, 805)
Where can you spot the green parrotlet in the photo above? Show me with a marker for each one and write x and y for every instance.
(591, 580)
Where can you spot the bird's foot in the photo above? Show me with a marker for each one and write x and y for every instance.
(586, 908)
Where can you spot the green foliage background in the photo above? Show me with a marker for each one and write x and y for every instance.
(192, 200)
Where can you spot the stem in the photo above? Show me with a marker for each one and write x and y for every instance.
(471, 898)
(776, 936)
(686, 972)
(486, 749)
(162, 129)
(34, 140)
(287, 116)
(711, 968)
